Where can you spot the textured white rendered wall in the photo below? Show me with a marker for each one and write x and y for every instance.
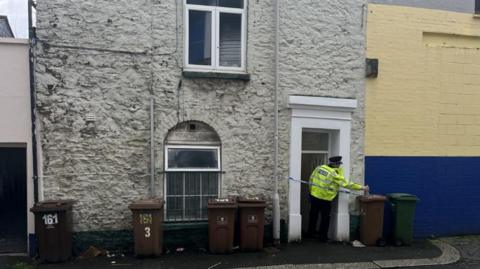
(91, 59)
(15, 120)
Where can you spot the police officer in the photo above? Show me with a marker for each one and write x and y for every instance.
(326, 181)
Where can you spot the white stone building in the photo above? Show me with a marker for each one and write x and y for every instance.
(209, 67)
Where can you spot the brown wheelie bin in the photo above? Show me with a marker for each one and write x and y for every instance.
(221, 223)
(252, 220)
(53, 229)
(371, 218)
(148, 227)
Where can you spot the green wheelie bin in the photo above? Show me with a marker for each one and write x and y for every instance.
(403, 212)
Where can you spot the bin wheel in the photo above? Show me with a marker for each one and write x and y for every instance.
(398, 242)
(381, 242)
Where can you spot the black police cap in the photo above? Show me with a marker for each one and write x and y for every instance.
(335, 159)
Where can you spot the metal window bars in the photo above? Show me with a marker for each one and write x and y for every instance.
(187, 194)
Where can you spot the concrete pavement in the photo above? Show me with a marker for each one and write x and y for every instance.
(448, 255)
(445, 253)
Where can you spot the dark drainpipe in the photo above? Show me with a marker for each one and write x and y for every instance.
(31, 38)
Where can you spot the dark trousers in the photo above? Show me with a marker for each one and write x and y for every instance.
(323, 207)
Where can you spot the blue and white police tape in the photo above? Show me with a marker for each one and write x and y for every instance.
(322, 187)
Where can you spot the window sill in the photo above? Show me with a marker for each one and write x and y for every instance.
(173, 226)
(217, 75)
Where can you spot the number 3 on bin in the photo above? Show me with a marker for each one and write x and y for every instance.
(147, 232)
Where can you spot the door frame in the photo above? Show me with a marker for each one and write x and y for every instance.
(334, 114)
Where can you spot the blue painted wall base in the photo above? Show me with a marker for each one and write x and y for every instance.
(448, 188)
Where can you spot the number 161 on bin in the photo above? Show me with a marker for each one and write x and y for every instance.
(50, 219)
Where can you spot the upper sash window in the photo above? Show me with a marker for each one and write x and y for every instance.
(215, 35)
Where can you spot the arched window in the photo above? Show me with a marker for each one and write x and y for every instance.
(192, 165)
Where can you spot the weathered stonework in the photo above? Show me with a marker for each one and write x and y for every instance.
(107, 59)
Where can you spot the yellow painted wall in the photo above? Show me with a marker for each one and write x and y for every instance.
(426, 99)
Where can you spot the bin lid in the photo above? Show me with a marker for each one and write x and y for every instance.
(222, 203)
(251, 202)
(52, 205)
(154, 203)
(372, 198)
(402, 196)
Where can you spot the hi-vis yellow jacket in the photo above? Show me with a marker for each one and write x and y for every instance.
(327, 180)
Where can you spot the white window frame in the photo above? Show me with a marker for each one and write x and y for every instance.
(168, 169)
(215, 42)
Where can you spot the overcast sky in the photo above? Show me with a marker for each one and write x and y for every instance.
(17, 13)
